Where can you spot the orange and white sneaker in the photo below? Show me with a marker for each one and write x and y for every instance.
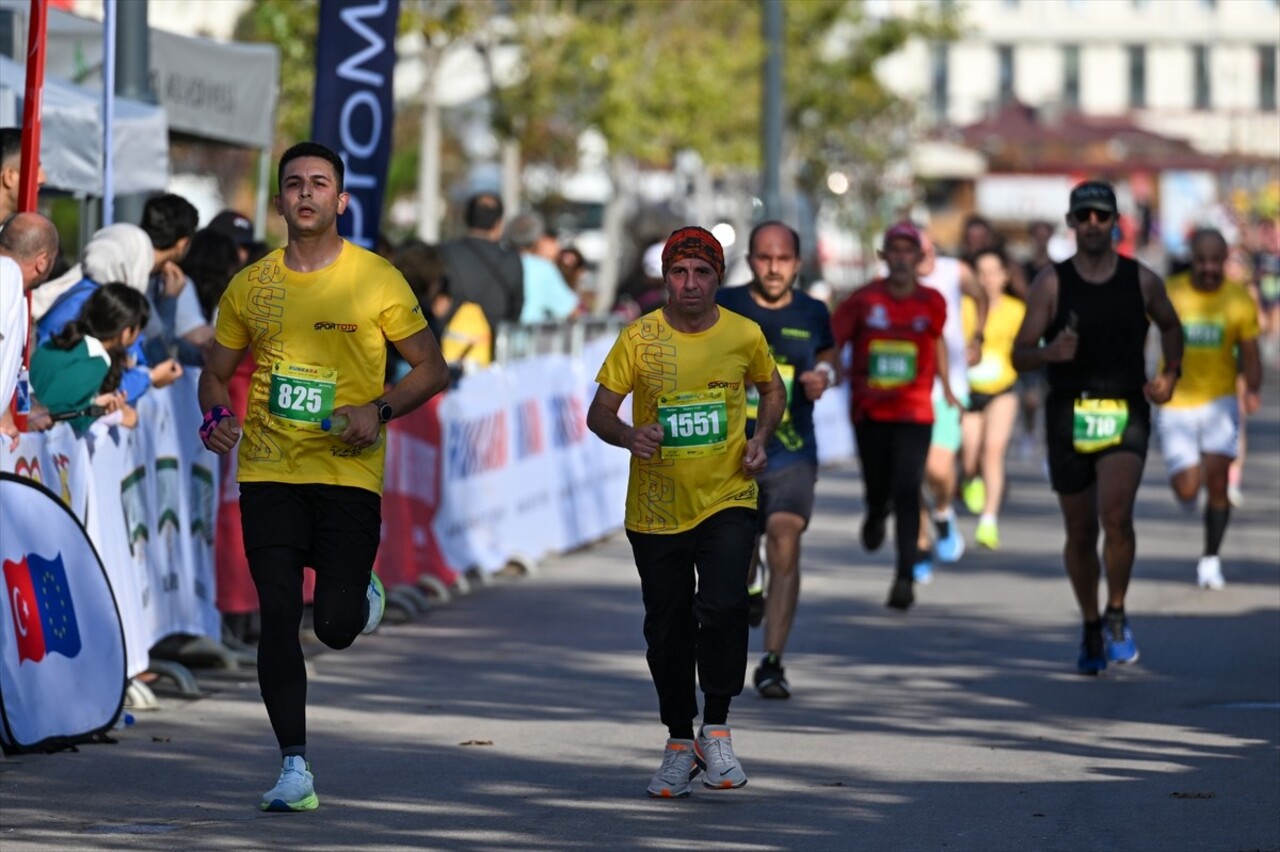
(714, 753)
(671, 781)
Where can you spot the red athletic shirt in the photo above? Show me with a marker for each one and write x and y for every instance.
(895, 351)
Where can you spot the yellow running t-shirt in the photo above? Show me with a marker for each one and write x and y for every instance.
(695, 386)
(318, 342)
(994, 373)
(1213, 325)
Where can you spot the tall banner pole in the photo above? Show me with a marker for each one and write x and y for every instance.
(355, 62)
(108, 112)
(29, 179)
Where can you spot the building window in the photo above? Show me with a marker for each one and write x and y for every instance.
(939, 89)
(1004, 57)
(1071, 76)
(1202, 99)
(1137, 76)
(1267, 77)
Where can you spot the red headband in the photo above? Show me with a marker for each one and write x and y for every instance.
(695, 242)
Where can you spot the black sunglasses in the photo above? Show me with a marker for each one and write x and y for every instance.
(1102, 217)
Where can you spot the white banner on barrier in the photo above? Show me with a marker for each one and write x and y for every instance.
(147, 498)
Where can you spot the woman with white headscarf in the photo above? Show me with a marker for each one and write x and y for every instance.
(117, 253)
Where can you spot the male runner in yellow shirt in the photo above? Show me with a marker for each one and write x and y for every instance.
(691, 498)
(1200, 425)
(317, 315)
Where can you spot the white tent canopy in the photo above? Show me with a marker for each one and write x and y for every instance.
(71, 135)
(224, 91)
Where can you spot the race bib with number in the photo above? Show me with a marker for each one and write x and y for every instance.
(788, 374)
(694, 423)
(301, 394)
(1203, 335)
(893, 363)
(1098, 424)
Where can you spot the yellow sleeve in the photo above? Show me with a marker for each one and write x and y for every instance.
(617, 373)
(969, 316)
(1246, 316)
(401, 315)
(761, 366)
(231, 330)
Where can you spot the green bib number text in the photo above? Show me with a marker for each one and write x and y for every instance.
(1099, 424)
(694, 423)
(893, 363)
(302, 394)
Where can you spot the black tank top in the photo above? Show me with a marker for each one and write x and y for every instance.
(1112, 322)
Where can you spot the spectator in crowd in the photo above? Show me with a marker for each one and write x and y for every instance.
(238, 228)
(11, 171)
(466, 341)
(482, 270)
(643, 290)
(210, 262)
(76, 373)
(573, 266)
(547, 298)
(178, 326)
(28, 244)
(122, 253)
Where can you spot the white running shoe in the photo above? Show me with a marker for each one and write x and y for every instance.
(377, 597)
(714, 750)
(671, 781)
(1209, 573)
(295, 789)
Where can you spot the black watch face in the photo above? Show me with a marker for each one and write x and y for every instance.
(384, 412)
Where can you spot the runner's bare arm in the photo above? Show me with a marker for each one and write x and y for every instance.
(602, 419)
(822, 376)
(773, 399)
(943, 371)
(429, 374)
(220, 365)
(969, 286)
(1042, 304)
(1251, 369)
(1162, 313)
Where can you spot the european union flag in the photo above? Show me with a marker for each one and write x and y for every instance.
(53, 600)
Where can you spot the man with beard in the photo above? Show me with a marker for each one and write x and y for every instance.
(798, 330)
(1093, 310)
(1200, 425)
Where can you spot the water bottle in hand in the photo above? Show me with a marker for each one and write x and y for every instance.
(336, 424)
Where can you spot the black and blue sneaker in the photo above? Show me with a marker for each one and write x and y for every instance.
(1118, 638)
(1093, 659)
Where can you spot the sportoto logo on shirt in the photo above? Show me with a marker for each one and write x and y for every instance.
(44, 616)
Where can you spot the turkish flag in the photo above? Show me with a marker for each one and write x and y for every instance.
(26, 611)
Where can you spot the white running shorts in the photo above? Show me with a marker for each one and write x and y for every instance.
(1188, 433)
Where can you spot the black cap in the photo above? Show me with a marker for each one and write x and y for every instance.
(1093, 195)
(233, 225)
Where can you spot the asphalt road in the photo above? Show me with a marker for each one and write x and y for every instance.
(521, 716)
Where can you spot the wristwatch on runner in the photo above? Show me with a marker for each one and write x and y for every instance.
(384, 410)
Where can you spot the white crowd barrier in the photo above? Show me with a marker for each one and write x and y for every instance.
(520, 477)
(146, 497)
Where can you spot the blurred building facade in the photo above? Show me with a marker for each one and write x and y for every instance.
(1174, 101)
(1204, 71)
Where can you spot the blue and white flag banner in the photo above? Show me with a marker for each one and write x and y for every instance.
(355, 66)
(62, 657)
